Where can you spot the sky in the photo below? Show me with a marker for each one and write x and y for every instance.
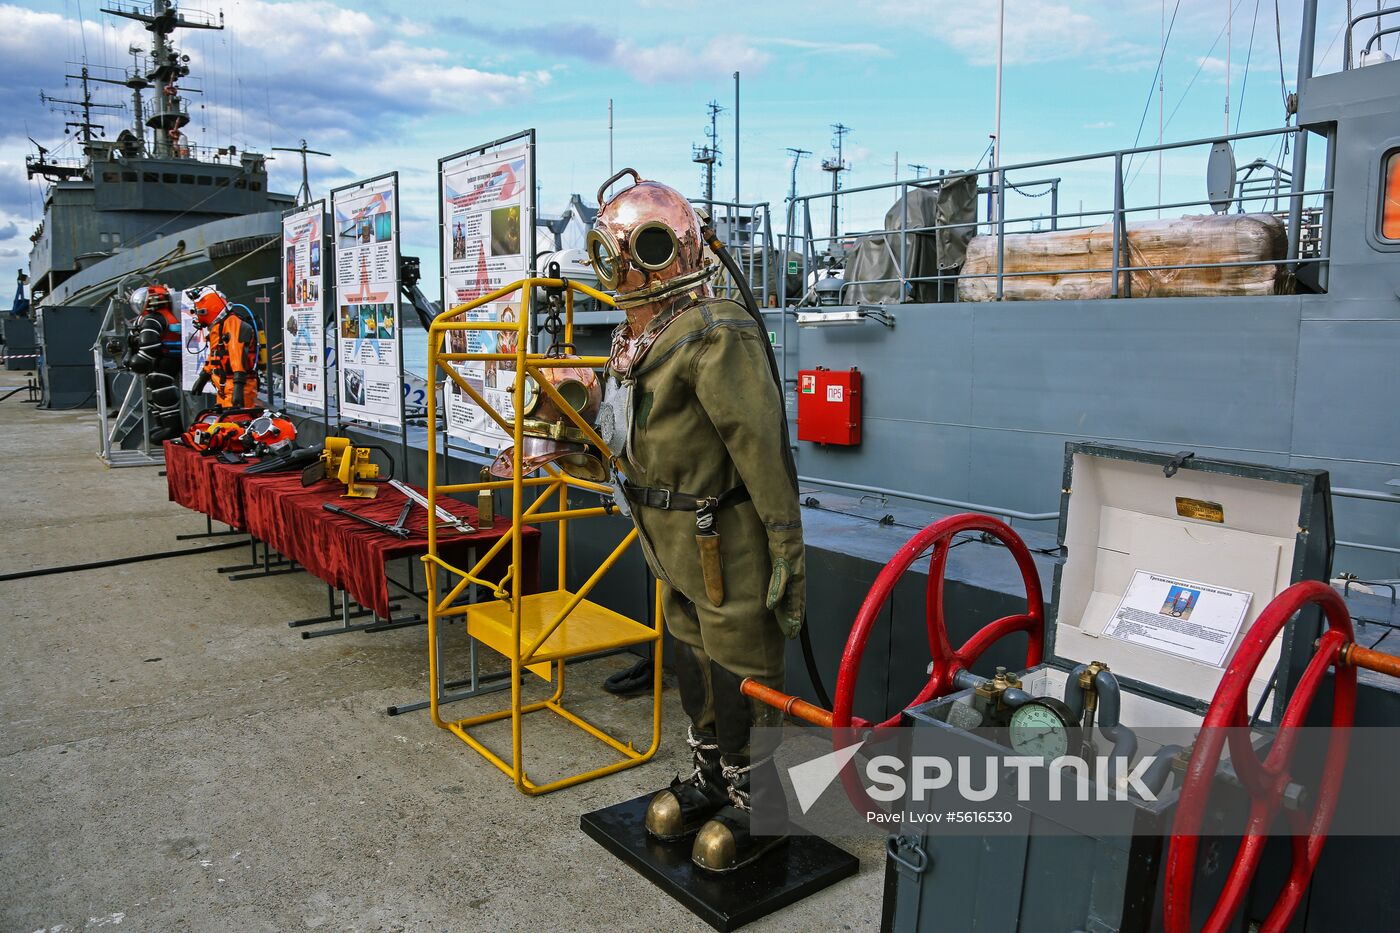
(392, 85)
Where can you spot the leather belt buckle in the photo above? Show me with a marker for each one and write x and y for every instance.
(665, 499)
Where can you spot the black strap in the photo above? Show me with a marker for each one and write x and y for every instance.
(668, 500)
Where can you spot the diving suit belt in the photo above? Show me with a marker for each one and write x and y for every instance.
(667, 500)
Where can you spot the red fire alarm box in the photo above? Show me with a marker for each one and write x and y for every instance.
(828, 406)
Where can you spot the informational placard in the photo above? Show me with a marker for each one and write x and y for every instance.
(194, 346)
(488, 225)
(1181, 617)
(303, 307)
(370, 357)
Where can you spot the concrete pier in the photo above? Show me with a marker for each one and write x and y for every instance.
(174, 757)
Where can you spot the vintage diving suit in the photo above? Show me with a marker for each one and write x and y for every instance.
(693, 414)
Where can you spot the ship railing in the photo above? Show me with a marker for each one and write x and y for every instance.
(1308, 226)
(1380, 29)
(746, 230)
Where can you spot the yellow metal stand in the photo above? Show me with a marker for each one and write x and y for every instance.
(537, 632)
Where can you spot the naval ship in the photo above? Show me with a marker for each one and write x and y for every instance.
(150, 202)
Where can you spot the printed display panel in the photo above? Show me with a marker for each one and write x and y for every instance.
(370, 371)
(303, 307)
(487, 210)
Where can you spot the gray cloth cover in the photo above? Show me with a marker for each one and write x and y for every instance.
(927, 253)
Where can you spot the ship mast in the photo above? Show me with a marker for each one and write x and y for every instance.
(136, 83)
(83, 108)
(168, 66)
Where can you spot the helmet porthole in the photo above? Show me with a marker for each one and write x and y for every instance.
(654, 246)
(603, 254)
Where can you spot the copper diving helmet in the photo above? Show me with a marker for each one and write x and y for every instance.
(645, 244)
(550, 435)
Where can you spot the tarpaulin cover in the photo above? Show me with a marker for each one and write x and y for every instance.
(1059, 260)
(926, 254)
(277, 509)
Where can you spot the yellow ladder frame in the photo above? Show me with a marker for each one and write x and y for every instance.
(534, 654)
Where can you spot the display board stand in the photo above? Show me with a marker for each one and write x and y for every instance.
(356, 229)
(494, 188)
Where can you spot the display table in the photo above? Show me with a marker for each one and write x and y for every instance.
(348, 555)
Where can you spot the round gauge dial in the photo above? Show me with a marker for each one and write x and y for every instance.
(1041, 729)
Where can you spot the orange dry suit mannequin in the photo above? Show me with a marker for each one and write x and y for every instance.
(233, 352)
(153, 351)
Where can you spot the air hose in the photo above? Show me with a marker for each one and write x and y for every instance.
(751, 305)
(120, 561)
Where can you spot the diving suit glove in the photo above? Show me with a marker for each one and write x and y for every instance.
(787, 585)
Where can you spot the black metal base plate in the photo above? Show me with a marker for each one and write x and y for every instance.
(801, 866)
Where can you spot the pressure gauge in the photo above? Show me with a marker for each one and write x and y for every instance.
(1041, 728)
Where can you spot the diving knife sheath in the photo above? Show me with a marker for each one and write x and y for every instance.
(712, 566)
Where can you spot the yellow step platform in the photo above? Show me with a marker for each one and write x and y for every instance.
(589, 628)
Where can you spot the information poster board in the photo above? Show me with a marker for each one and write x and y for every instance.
(368, 346)
(303, 307)
(488, 226)
(194, 345)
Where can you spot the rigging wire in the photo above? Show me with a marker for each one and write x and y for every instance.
(1249, 53)
(1282, 81)
(1152, 87)
(1189, 84)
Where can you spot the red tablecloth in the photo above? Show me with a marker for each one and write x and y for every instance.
(188, 478)
(277, 509)
(351, 555)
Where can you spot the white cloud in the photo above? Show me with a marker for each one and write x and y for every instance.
(1100, 125)
(1036, 30)
(679, 60)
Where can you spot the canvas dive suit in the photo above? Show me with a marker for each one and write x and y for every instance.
(706, 423)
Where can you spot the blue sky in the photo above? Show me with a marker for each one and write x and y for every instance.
(394, 85)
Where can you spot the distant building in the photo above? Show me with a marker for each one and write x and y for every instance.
(568, 230)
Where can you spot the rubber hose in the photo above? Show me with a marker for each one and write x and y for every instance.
(751, 305)
(1110, 705)
(120, 561)
(1155, 777)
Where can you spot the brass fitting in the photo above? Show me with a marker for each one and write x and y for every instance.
(1086, 683)
(993, 689)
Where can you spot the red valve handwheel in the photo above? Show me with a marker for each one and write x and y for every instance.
(1265, 780)
(946, 661)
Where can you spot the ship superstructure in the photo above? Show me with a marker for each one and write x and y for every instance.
(147, 184)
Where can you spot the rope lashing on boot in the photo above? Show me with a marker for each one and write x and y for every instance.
(732, 773)
(697, 773)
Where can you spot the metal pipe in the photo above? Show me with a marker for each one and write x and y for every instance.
(1347, 492)
(1001, 232)
(1377, 661)
(1118, 220)
(1090, 157)
(1306, 41)
(736, 137)
(1324, 246)
(933, 500)
(1381, 548)
(790, 705)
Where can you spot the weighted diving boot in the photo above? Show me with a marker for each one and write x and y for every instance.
(726, 843)
(681, 809)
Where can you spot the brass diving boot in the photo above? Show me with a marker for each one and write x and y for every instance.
(725, 844)
(681, 809)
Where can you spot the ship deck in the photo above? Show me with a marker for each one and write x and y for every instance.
(173, 756)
